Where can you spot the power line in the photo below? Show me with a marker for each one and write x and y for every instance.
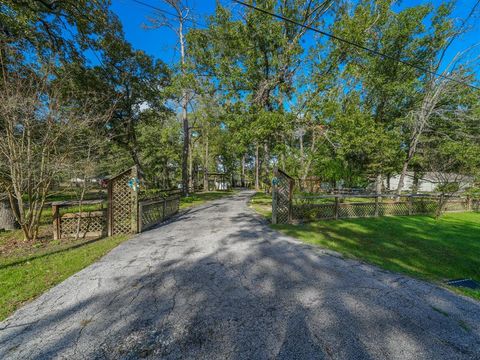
(372, 51)
(162, 10)
(154, 8)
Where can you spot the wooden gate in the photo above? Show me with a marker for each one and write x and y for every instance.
(123, 203)
(281, 197)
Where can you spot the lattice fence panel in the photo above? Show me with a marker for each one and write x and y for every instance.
(424, 206)
(89, 224)
(396, 208)
(156, 211)
(456, 206)
(123, 204)
(283, 200)
(171, 207)
(355, 210)
(307, 212)
(151, 213)
(309, 208)
(476, 205)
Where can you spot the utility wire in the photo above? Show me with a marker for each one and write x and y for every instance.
(154, 8)
(163, 11)
(372, 51)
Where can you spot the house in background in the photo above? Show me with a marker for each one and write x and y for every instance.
(427, 182)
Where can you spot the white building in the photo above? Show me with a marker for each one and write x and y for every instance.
(427, 182)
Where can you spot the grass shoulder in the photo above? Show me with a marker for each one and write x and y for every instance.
(201, 198)
(27, 269)
(262, 204)
(26, 274)
(420, 246)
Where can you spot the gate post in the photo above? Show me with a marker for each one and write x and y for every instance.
(134, 200)
(282, 198)
(123, 203)
(110, 207)
(274, 201)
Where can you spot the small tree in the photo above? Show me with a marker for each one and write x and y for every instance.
(38, 124)
(82, 165)
(452, 166)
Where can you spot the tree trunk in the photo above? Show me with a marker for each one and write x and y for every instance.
(7, 217)
(378, 184)
(257, 168)
(415, 182)
(302, 154)
(205, 166)
(401, 180)
(266, 159)
(190, 169)
(242, 177)
(186, 128)
(186, 150)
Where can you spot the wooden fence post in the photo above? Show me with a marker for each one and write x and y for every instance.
(140, 216)
(376, 204)
(164, 208)
(290, 200)
(134, 200)
(336, 207)
(56, 222)
(274, 203)
(469, 203)
(109, 208)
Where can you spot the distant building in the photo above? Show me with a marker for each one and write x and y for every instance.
(427, 182)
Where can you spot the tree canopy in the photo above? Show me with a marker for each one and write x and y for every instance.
(250, 92)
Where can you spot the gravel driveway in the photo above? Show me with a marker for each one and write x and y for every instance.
(218, 284)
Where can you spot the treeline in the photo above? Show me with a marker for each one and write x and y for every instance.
(317, 106)
(249, 92)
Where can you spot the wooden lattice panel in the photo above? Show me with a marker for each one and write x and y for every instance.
(356, 210)
(88, 224)
(171, 207)
(123, 204)
(424, 206)
(306, 211)
(283, 197)
(151, 213)
(455, 206)
(156, 211)
(476, 205)
(397, 208)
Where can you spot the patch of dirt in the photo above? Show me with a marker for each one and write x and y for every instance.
(13, 246)
(13, 243)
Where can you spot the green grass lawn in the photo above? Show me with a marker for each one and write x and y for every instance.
(28, 269)
(25, 276)
(201, 198)
(72, 195)
(262, 204)
(436, 250)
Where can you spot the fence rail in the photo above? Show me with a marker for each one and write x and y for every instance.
(79, 223)
(129, 210)
(153, 212)
(309, 208)
(83, 224)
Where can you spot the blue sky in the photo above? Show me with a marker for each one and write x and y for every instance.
(161, 43)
